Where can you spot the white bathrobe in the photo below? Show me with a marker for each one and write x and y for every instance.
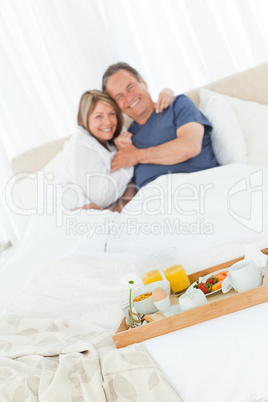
(85, 172)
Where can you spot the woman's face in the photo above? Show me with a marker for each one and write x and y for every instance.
(102, 122)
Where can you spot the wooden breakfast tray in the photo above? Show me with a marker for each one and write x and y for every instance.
(218, 305)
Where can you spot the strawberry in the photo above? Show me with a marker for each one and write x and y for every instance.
(205, 287)
(212, 279)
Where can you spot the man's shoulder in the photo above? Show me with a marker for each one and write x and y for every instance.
(182, 100)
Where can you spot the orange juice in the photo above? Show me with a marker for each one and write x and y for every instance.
(177, 278)
(151, 276)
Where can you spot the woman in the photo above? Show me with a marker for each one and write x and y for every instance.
(86, 169)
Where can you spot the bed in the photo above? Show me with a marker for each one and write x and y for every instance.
(68, 265)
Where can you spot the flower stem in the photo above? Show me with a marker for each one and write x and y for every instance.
(130, 308)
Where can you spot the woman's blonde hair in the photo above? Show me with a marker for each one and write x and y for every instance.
(87, 104)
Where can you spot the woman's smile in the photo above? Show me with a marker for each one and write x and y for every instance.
(102, 122)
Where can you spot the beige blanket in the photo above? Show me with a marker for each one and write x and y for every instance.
(62, 361)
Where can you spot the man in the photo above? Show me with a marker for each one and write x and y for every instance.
(176, 140)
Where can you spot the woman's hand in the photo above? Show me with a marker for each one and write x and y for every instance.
(92, 206)
(89, 206)
(165, 99)
(123, 140)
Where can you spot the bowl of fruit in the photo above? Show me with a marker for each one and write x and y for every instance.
(211, 283)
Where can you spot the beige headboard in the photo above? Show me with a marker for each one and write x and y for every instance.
(251, 85)
(37, 158)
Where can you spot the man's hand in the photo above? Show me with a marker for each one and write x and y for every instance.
(123, 140)
(187, 145)
(125, 157)
(165, 99)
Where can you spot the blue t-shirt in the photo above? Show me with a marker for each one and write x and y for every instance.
(161, 128)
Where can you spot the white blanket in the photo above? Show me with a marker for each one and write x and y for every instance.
(67, 361)
(197, 213)
(78, 287)
(55, 235)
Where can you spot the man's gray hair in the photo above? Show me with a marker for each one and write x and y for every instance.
(116, 67)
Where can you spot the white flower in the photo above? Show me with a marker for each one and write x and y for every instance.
(131, 281)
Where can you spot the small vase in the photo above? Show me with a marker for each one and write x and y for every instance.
(137, 318)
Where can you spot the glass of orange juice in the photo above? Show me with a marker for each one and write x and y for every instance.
(173, 271)
(148, 268)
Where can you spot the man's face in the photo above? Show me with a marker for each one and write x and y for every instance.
(131, 95)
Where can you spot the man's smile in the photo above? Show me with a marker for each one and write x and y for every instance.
(134, 104)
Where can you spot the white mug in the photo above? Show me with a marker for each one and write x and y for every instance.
(191, 299)
(242, 276)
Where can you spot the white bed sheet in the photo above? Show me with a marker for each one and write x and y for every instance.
(223, 360)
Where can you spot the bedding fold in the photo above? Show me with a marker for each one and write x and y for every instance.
(58, 360)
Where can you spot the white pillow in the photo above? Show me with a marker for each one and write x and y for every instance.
(253, 120)
(227, 138)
